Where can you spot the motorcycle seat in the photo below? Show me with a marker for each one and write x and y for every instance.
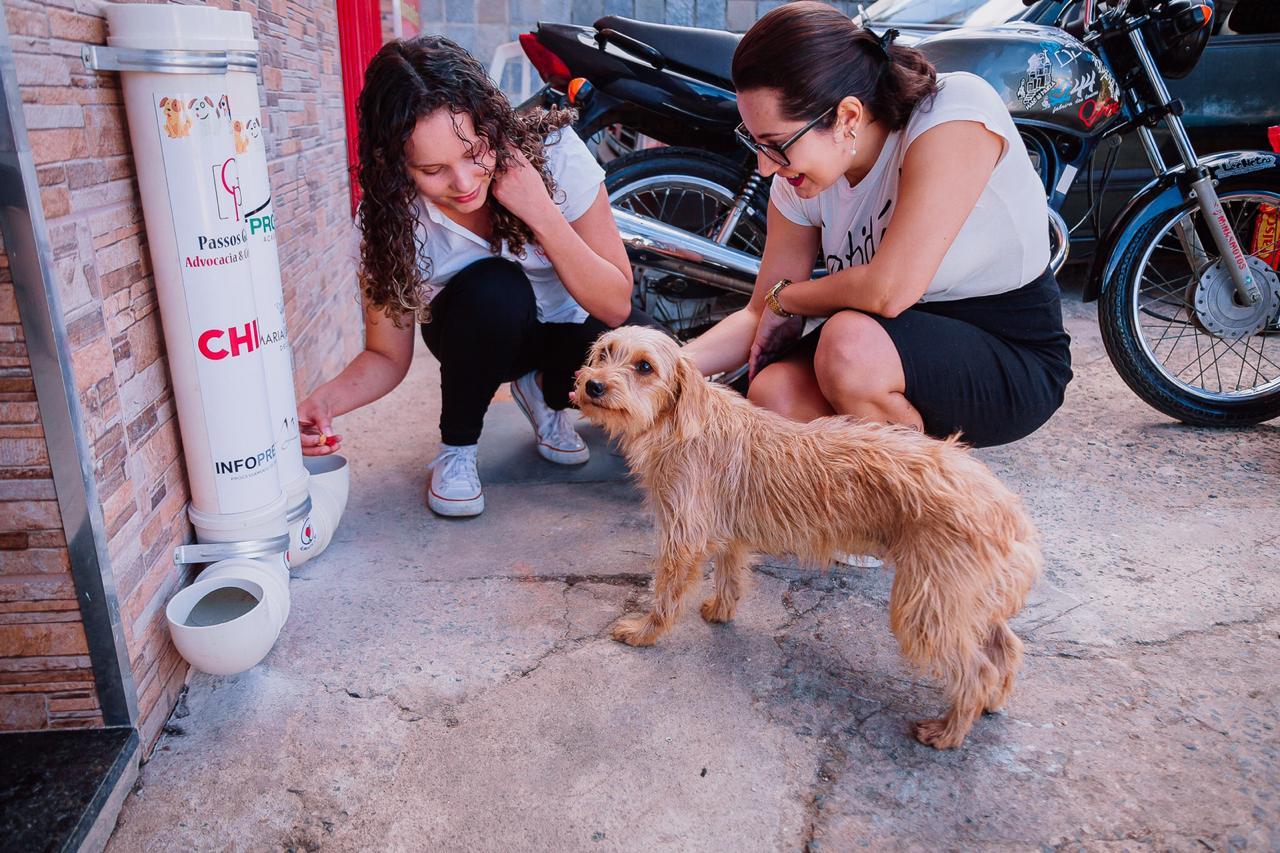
(703, 53)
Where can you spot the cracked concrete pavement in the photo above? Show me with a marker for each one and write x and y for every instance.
(450, 685)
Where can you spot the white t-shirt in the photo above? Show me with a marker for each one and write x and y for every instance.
(450, 247)
(1004, 243)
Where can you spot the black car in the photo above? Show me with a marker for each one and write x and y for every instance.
(1231, 96)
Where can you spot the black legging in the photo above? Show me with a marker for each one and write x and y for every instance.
(484, 331)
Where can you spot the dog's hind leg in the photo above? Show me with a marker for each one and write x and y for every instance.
(937, 613)
(679, 568)
(1004, 650)
(730, 577)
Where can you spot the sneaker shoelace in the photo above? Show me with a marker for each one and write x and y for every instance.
(560, 429)
(460, 465)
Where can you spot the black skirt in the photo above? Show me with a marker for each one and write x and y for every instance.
(992, 368)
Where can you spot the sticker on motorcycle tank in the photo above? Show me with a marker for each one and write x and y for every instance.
(1059, 96)
(1248, 163)
(1084, 88)
(1038, 80)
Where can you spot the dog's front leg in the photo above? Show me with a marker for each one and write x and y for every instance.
(678, 569)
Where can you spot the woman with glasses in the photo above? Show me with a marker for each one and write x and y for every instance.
(916, 193)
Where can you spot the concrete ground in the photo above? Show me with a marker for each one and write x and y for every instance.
(450, 685)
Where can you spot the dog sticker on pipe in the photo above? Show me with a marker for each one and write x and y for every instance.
(727, 480)
(176, 121)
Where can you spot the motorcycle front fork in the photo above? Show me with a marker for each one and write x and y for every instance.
(1202, 191)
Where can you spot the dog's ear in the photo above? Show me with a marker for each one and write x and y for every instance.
(691, 398)
(164, 102)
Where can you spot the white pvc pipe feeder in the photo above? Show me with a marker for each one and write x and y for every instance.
(249, 135)
(190, 91)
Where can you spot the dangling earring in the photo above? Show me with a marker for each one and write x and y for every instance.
(853, 143)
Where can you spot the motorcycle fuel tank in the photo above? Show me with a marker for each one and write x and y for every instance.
(1045, 76)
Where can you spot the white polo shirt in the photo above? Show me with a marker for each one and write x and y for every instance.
(450, 247)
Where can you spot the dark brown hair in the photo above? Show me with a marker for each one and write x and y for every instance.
(407, 80)
(815, 56)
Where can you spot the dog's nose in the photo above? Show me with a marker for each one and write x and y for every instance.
(595, 389)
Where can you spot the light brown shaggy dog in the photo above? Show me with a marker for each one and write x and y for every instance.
(727, 479)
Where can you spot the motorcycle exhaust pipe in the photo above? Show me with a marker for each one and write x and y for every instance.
(1061, 241)
(659, 246)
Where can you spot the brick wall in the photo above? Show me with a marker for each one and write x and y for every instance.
(86, 175)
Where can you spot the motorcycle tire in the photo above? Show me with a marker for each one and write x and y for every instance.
(1123, 339)
(664, 170)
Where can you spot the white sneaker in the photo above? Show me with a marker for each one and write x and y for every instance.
(558, 441)
(455, 483)
(858, 561)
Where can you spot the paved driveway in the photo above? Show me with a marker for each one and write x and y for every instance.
(449, 685)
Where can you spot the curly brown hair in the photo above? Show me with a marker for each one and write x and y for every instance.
(407, 80)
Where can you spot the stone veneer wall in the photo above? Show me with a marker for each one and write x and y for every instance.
(76, 126)
(45, 676)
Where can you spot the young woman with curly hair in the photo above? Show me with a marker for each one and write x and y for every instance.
(492, 231)
(916, 191)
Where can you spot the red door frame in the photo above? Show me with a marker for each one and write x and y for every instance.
(359, 37)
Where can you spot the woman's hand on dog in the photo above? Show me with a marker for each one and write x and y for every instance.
(520, 190)
(315, 427)
(773, 335)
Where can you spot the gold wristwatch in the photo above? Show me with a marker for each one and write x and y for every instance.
(771, 299)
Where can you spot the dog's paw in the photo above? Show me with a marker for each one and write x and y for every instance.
(635, 631)
(939, 734)
(716, 609)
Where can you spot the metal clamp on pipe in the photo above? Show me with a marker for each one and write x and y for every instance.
(300, 511)
(100, 58)
(213, 551)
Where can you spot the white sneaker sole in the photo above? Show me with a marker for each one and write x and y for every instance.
(563, 457)
(455, 507)
(546, 451)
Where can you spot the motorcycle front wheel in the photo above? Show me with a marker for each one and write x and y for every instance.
(1171, 323)
(694, 191)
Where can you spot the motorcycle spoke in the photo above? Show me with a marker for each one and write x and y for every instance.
(1243, 357)
(640, 200)
(1173, 345)
(1176, 291)
(1227, 347)
(1164, 282)
(1176, 249)
(1235, 223)
(1151, 309)
(1264, 250)
(662, 211)
(1261, 357)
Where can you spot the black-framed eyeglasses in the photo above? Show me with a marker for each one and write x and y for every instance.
(776, 153)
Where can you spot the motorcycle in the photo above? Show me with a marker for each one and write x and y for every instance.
(1184, 275)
